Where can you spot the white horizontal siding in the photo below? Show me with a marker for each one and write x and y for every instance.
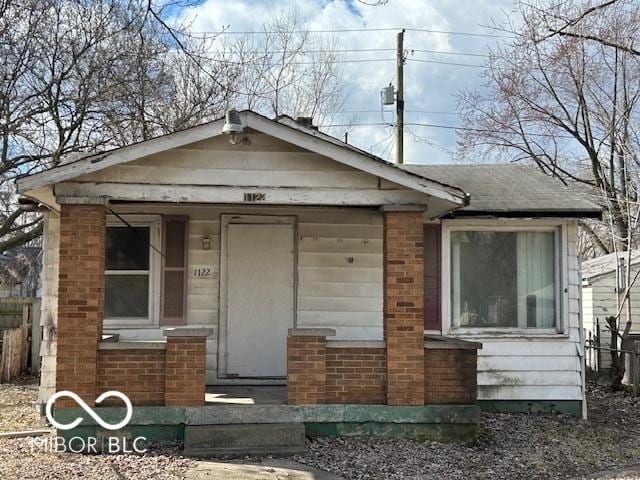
(339, 269)
(265, 162)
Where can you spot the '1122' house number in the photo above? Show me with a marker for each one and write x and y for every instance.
(202, 272)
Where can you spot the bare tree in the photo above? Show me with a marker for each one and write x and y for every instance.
(569, 23)
(570, 106)
(78, 77)
(287, 70)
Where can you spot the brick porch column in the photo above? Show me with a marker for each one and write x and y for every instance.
(403, 306)
(80, 299)
(307, 365)
(185, 367)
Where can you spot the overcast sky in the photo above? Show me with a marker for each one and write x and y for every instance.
(429, 87)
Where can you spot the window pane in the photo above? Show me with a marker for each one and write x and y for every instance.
(536, 280)
(126, 296)
(127, 248)
(503, 279)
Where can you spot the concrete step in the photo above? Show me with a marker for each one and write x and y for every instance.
(244, 439)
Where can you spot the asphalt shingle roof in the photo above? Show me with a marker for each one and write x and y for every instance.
(510, 190)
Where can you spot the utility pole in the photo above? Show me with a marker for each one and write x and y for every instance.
(400, 100)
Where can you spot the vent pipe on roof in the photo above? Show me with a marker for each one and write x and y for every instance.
(233, 128)
(232, 122)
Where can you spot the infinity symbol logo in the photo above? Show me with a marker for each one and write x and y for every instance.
(89, 410)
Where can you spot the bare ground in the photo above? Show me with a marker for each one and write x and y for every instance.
(510, 447)
(23, 458)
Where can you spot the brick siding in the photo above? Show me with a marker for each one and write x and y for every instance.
(404, 307)
(80, 299)
(185, 371)
(356, 375)
(306, 369)
(450, 376)
(138, 373)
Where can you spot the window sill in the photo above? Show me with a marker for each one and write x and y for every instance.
(508, 333)
(129, 324)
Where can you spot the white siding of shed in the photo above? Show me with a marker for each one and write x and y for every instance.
(600, 301)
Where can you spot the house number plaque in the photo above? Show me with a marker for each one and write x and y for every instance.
(255, 197)
(202, 272)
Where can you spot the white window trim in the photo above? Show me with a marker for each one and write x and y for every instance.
(154, 224)
(562, 276)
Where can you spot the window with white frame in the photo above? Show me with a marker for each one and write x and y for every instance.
(504, 279)
(129, 273)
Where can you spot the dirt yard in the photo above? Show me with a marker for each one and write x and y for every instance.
(19, 460)
(510, 447)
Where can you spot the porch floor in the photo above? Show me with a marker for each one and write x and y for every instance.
(245, 395)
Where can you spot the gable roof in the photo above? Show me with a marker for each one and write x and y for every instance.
(510, 190)
(285, 129)
(606, 264)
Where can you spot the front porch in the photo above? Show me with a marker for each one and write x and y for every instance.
(405, 385)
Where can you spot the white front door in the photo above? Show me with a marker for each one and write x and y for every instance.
(260, 299)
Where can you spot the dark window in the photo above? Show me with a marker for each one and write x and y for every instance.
(127, 272)
(503, 279)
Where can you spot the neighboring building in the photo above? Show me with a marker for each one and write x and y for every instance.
(241, 238)
(602, 279)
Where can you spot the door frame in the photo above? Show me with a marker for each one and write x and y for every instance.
(248, 219)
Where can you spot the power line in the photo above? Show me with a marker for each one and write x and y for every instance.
(466, 54)
(419, 60)
(354, 60)
(431, 112)
(447, 127)
(350, 50)
(286, 64)
(468, 34)
(481, 130)
(350, 30)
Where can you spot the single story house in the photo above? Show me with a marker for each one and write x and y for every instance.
(602, 280)
(269, 254)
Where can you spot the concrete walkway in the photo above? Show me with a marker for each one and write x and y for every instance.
(266, 469)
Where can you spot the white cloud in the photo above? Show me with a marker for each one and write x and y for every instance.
(428, 86)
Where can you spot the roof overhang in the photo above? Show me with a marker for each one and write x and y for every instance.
(308, 139)
(464, 213)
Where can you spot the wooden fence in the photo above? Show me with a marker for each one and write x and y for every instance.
(19, 337)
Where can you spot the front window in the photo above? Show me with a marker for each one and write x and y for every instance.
(127, 273)
(503, 279)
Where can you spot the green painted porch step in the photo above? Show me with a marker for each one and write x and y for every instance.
(244, 439)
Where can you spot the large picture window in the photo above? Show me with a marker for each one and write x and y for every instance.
(504, 279)
(129, 266)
